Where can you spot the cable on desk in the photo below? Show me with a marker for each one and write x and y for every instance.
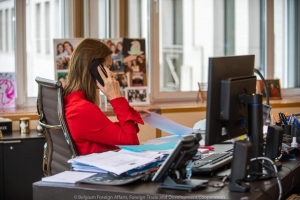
(219, 185)
(262, 176)
(275, 170)
(266, 166)
(279, 157)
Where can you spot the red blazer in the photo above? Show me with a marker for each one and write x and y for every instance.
(92, 131)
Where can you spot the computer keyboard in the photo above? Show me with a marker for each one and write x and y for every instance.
(212, 163)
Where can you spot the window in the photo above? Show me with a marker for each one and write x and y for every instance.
(97, 19)
(7, 40)
(37, 29)
(47, 41)
(1, 31)
(180, 35)
(102, 19)
(286, 43)
(37, 24)
(42, 27)
(186, 33)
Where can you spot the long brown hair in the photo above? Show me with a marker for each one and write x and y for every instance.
(79, 77)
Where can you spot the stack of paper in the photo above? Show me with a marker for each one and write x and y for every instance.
(115, 162)
(68, 177)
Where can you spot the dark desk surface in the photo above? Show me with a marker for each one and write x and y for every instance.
(148, 190)
(16, 135)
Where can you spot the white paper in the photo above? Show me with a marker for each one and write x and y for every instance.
(167, 125)
(68, 177)
(200, 125)
(265, 129)
(145, 154)
(116, 162)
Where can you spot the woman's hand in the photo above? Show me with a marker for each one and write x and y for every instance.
(142, 111)
(111, 88)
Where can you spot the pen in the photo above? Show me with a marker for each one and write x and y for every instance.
(291, 119)
(276, 120)
(283, 119)
(288, 119)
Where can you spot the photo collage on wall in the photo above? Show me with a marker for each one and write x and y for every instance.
(63, 49)
(128, 66)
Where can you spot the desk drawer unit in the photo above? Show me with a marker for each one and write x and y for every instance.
(21, 166)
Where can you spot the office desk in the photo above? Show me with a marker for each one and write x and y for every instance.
(148, 190)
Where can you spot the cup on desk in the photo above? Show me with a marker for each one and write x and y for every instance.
(287, 129)
(295, 131)
(24, 125)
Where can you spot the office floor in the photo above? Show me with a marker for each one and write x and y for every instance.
(294, 194)
(294, 197)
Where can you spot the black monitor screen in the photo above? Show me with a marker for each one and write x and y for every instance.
(229, 77)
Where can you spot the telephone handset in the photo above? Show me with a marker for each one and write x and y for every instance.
(94, 71)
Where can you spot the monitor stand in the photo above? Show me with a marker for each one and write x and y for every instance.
(183, 184)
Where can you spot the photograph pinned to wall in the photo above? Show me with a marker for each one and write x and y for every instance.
(137, 79)
(134, 52)
(117, 66)
(116, 46)
(62, 77)
(274, 89)
(8, 90)
(137, 95)
(63, 49)
(123, 79)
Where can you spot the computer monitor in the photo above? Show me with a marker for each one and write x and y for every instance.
(233, 109)
(173, 171)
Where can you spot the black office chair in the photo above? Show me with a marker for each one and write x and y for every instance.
(59, 147)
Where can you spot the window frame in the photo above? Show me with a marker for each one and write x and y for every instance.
(153, 44)
(20, 54)
(20, 47)
(158, 96)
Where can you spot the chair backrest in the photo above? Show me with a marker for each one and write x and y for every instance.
(60, 146)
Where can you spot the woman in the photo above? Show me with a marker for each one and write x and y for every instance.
(122, 78)
(60, 53)
(120, 48)
(141, 64)
(60, 49)
(135, 67)
(68, 48)
(62, 79)
(91, 130)
(274, 92)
